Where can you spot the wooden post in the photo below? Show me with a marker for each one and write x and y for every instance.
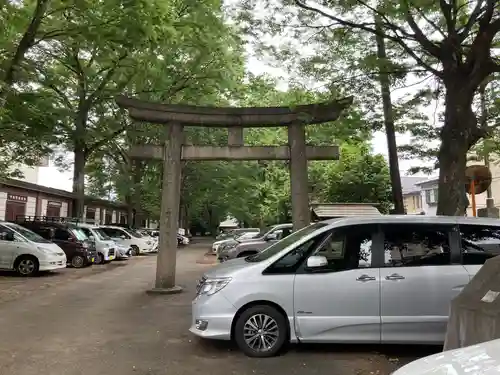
(298, 176)
(473, 197)
(169, 217)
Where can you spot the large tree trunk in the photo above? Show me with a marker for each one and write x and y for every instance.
(79, 180)
(136, 183)
(458, 135)
(80, 150)
(385, 86)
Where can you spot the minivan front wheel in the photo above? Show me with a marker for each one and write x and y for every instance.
(77, 261)
(261, 331)
(27, 265)
(135, 250)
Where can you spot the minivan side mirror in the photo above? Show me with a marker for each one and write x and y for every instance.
(91, 238)
(123, 237)
(271, 237)
(317, 261)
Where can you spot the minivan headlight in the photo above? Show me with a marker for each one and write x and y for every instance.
(212, 286)
(45, 250)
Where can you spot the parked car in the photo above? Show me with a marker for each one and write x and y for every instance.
(26, 252)
(235, 232)
(238, 248)
(130, 238)
(80, 252)
(104, 245)
(217, 245)
(386, 279)
(122, 252)
(479, 359)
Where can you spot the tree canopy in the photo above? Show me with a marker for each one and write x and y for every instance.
(63, 62)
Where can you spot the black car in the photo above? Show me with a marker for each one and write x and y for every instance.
(79, 251)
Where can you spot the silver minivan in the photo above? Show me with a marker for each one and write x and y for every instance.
(383, 279)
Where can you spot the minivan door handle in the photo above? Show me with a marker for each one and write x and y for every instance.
(395, 276)
(363, 278)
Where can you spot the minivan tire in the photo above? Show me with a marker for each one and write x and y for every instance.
(27, 265)
(78, 261)
(135, 250)
(99, 259)
(276, 327)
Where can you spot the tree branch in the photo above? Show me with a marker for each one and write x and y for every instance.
(419, 35)
(364, 26)
(105, 139)
(472, 20)
(109, 75)
(62, 95)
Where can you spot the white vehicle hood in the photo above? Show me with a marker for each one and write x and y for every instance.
(480, 359)
(228, 268)
(51, 246)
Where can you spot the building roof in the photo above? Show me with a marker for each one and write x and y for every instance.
(57, 192)
(409, 184)
(332, 210)
(429, 180)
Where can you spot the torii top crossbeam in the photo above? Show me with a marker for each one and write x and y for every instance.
(233, 117)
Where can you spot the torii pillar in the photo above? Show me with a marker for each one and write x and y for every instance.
(173, 152)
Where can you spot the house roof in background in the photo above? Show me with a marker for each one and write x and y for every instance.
(429, 180)
(333, 210)
(409, 184)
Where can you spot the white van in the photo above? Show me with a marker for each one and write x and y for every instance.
(130, 238)
(26, 252)
(105, 246)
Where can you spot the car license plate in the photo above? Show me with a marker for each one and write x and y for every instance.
(92, 260)
(111, 257)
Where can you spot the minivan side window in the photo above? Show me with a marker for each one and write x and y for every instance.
(61, 234)
(413, 245)
(479, 243)
(348, 247)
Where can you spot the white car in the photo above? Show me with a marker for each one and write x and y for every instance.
(479, 359)
(105, 246)
(130, 238)
(26, 252)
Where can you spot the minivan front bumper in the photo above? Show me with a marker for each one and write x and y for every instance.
(212, 317)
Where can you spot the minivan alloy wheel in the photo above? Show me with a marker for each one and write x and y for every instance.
(26, 266)
(77, 261)
(261, 332)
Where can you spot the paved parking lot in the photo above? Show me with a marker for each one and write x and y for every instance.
(99, 321)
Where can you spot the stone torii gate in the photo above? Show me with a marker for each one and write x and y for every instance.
(173, 152)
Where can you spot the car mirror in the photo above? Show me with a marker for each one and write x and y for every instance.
(271, 237)
(123, 237)
(317, 261)
(91, 238)
(9, 236)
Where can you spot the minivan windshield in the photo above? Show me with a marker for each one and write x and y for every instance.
(284, 243)
(102, 234)
(79, 234)
(133, 233)
(26, 233)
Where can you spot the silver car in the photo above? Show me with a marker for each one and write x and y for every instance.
(385, 279)
(240, 248)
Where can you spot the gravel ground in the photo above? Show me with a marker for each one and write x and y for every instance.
(99, 320)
